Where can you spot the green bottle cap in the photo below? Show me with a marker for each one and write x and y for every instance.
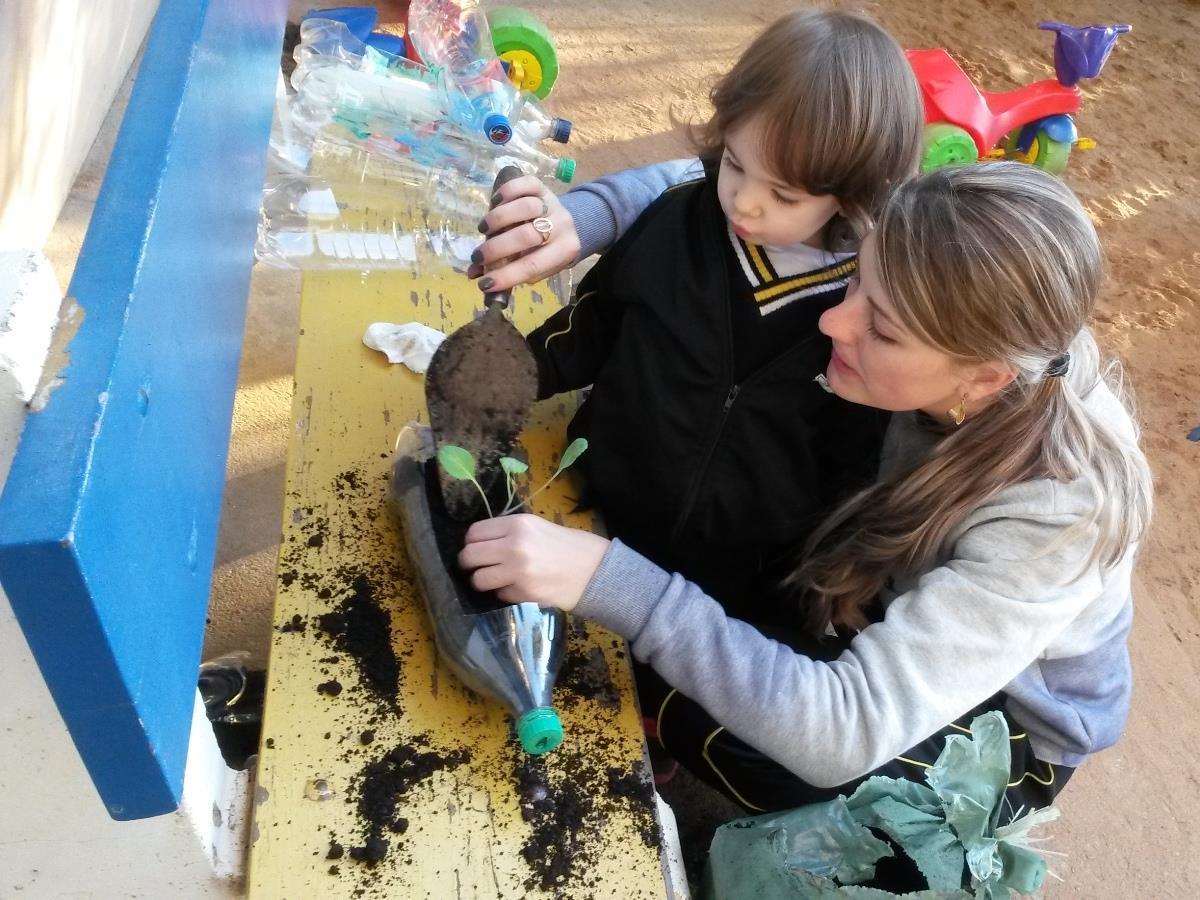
(565, 171)
(540, 730)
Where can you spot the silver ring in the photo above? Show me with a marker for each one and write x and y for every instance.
(545, 209)
(543, 226)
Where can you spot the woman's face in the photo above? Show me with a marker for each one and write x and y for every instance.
(878, 362)
(759, 206)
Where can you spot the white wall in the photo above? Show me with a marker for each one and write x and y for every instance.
(61, 62)
(56, 839)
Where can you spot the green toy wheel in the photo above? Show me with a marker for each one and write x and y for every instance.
(1045, 152)
(525, 44)
(947, 145)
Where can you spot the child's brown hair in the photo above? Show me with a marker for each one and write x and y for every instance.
(838, 104)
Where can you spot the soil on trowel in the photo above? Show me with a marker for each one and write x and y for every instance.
(479, 388)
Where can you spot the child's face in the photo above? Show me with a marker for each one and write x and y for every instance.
(878, 362)
(761, 208)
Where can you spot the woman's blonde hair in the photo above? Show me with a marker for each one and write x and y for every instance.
(987, 262)
(838, 103)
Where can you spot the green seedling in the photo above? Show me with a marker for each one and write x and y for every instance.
(460, 464)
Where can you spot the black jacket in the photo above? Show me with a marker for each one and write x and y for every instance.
(717, 477)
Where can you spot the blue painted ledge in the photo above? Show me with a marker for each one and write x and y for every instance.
(108, 520)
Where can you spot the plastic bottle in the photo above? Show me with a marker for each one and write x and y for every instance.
(329, 89)
(509, 653)
(456, 36)
(533, 161)
(410, 220)
(444, 148)
(535, 124)
(289, 149)
(493, 100)
(339, 80)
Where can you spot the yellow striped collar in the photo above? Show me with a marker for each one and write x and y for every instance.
(773, 291)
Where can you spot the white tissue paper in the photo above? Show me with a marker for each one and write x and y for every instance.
(411, 344)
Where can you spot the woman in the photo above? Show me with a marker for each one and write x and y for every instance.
(988, 567)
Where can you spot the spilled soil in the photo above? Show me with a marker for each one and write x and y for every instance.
(567, 800)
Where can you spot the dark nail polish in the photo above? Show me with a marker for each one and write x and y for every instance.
(476, 256)
(483, 226)
(485, 284)
(474, 271)
(497, 199)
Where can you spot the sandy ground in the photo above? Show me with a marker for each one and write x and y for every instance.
(627, 64)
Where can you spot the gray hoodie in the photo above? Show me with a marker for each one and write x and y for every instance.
(1004, 608)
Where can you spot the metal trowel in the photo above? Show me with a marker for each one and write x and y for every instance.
(480, 386)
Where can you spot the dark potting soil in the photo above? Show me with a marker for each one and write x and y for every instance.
(451, 535)
(556, 816)
(381, 784)
(296, 624)
(637, 789)
(585, 676)
(567, 815)
(357, 623)
(361, 627)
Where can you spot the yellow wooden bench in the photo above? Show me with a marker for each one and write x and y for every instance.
(367, 737)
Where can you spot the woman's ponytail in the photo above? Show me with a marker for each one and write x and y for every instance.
(1025, 266)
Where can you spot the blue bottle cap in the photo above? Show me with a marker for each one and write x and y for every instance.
(497, 128)
(560, 130)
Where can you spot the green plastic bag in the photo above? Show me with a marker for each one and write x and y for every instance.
(947, 826)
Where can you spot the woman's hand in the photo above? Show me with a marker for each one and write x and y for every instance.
(527, 559)
(511, 234)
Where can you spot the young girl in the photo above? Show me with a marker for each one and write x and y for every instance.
(712, 448)
(989, 566)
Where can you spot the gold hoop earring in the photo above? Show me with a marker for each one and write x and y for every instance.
(959, 413)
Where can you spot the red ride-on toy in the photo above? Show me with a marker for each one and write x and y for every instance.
(1032, 124)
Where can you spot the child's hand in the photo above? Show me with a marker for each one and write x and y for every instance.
(527, 559)
(511, 233)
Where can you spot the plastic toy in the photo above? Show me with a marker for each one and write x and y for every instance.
(1032, 124)
(521, 40)
(524, 46)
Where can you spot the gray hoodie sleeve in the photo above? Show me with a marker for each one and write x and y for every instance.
(605, 208)
(964, 631)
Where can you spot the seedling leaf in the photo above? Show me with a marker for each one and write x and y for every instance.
(513, 466)
(572, 453)
(457, 462)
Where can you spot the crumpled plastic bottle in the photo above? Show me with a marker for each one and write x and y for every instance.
(352, 94)
(408, 182)
(456, 36)
(309, 224)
